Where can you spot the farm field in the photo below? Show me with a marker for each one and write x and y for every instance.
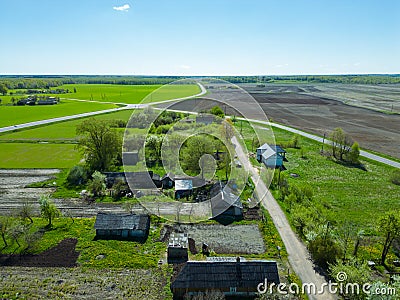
(131, 94)
(293, 105)
(59, 131)
(12, 115)
(307, 108)
(81, 283)
(22, 155)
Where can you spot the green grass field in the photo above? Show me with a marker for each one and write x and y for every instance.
(23, 155)
(59, 131)
(12, 115)
(131, 94)
(340, 192)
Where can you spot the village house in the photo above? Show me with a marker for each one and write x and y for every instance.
(122, 226)
(225, 205)
(234, 279)
(183, 188)
(271, 156)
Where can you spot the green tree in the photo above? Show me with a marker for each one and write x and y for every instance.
(77, 175)
(5, 223)
(389, 227)
(97, 185)
(3, 89)
(354, 154)
(194, 148)
(341, 142)
(217, 111)
(100, 144)
(26, 212)
(357, 272)
(48, 209)
(324, 250)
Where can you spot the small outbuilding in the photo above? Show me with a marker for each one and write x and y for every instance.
(168, 180)
(271, 156)
(177, 248)
(122, 226)
(238, 279)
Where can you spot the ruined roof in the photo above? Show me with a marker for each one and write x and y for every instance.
(215, 275)
(121, 221)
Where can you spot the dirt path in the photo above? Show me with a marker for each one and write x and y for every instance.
(299, 256)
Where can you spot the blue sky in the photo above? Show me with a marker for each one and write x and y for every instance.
(209, 37)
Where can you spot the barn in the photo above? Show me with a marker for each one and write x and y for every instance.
(122, 226)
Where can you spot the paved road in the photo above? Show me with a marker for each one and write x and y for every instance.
(298, 254)
(94, 113)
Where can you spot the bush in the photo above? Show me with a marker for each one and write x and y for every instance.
(324, 250)
(98, 184)
(77, 175)
(395, 178)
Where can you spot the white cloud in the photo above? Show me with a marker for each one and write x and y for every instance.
(124, 7)
(184, 67)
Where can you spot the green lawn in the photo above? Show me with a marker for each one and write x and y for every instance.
(59, 131)
(24, 155)
(128, 93)
(12, 115)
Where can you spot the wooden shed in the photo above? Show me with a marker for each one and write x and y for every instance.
(177, 251)
(122, 226)
(233, 279)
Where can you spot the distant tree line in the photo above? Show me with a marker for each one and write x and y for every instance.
(46, 82)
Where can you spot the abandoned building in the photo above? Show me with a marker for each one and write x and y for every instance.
(234, 279)
(177, 251)
(271, 156)
(122, 226)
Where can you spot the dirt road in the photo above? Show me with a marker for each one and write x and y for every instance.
(299, 256)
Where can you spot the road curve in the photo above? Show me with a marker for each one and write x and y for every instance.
(94, 113)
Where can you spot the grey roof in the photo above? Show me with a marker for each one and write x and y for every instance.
(168, 175)
(223, 198)
(214, 275)
(278, 149)
(121, 221)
